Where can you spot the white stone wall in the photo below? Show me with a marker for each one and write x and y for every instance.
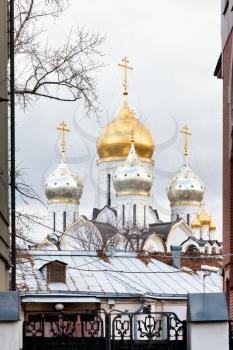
(10, 335)
(72, 214)
(142, 209)
(108, 167)
(184, 210)
(203, 336)
(205, 232)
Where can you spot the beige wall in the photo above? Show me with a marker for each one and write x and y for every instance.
(4, 235)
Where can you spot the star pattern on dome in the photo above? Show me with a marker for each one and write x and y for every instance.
(132, 177)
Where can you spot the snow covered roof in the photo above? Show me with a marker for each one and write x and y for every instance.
(119, 274)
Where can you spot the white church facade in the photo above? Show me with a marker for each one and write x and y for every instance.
(126, 218)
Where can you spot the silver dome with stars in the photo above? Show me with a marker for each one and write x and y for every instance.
(185, 187)
(63, 186)
(132, 177)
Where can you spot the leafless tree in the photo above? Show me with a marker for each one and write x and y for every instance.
(65, 72)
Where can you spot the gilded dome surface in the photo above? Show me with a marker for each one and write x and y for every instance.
(132, 177)
(114, 140)
(204, 217)
(63, 186)
(212, 226)
(196, 223)
(185, 187)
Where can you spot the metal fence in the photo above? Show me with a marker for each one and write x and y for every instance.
(94, 330)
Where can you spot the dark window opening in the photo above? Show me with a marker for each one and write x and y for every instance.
(109, 190)
(123, 215)
(144, 215)
(54, 221)
(134, 214)
(188, 219)
(56, 272)
(64, 221)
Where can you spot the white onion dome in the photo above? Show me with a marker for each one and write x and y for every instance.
(63, 186)
(132, 177)
(185, 188)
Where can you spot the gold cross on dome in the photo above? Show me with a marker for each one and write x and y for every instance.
(125, 67)
(63, 128)
(185, 131)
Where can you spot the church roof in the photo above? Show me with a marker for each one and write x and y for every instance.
(162, 228)
(122, 274)
(96, 211)
(104, 228)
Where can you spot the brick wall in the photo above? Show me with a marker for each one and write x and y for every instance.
(228, 172)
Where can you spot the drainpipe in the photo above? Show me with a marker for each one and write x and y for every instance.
(12, 150)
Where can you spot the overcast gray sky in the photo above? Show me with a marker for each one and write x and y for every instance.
(173, 46)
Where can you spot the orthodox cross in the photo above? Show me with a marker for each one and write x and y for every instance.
(125, 67)
(185, 131)
(63, 128)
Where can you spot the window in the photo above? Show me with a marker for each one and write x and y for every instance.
(144, 215)
(109, 190)
(188, 219)
(213, 250)
(123, 215)
(54, 221)
(134, 215)
(56, 272)
(64, 221)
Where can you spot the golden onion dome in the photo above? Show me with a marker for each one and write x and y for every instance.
(212, 226)
(196, 223)
(115, 139)
(204, 218)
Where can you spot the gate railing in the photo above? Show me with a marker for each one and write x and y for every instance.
(148, 330)
(99, 330)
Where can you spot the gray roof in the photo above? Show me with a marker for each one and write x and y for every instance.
(200, 307)
(96, 211)
(201, 242)
(121, 274)
(105, 229)
(163, 228)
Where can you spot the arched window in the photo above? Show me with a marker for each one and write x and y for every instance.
(214, 250)
(191, 249)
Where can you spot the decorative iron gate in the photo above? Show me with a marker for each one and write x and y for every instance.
(64, 331)
(94, 330)
(148, 330)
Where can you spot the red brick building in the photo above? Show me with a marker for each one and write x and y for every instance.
(224, 70)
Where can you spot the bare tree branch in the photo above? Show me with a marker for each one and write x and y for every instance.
(65, 73)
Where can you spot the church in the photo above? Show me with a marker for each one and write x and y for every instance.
(120, 278)
(126, 219)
